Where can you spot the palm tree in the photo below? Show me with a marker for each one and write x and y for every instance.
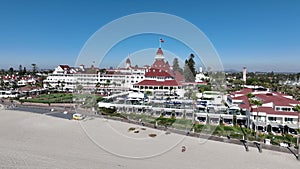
(258, 103)
(47, 85)
(97, 86)
(33, 68)
(107, 83)
(123, 82)
(63, 85)
(297, 109)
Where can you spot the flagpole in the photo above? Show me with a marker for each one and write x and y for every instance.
(159, 42)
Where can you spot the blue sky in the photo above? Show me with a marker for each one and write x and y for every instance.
(263, 35)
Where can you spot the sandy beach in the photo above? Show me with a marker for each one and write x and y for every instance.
(31, 140)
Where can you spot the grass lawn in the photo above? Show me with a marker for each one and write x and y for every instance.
(64, 98)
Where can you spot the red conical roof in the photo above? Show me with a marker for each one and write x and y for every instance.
(128, 60)
(159, 52)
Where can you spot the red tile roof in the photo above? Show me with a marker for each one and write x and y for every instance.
(157, 83)
(154, 72)
(178, 77)
(244, 98)
(278, 100)
(65, 67)
(243, 91)
(161, 64)
(271, 111)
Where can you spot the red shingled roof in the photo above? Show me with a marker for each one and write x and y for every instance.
(278, 100)
(243, 91)
(244, 98)
(161, 64)
(154, 72)
(65, 67)
(157, 83)
(178, 77)
(270, 110)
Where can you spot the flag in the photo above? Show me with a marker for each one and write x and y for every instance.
(161, 40)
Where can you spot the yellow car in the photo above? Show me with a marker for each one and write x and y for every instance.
(78, 116)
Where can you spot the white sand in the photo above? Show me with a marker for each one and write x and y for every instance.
(31, 140)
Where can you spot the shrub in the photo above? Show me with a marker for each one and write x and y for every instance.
(152, 135)
(131, 129)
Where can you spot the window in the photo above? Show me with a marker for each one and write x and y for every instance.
(272, 118)
(288, 119)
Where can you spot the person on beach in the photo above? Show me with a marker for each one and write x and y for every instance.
(183, 149)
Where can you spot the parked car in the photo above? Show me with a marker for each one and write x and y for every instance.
(78, 116)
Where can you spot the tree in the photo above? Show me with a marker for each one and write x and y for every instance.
(258, 103)
(188, 75)
(250, 95)
(79, 87)
(24, 71)
(62, 84)
(148, 93)
(176, 66)
(1, 83)
(11, 71)
(98, 85)
(20, 70)
(34, 68)
(191, 64)
(107, 83)
(47, 84)
(189, 71)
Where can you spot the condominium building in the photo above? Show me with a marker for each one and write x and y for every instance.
(276, 109)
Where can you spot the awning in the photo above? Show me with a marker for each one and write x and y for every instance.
(275, 124)
(234, 108)
(201, 114)
(227, 116)
(260, 123)
(200, 106)
(241, 117)
(214, 115)
(293, 126)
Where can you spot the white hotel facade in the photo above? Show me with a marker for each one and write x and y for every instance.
(69, 78)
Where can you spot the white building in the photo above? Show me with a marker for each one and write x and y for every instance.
(276, 109)
(108, 81)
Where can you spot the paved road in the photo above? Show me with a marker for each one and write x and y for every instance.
(57, 112)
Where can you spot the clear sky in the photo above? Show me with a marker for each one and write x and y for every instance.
(263, 35)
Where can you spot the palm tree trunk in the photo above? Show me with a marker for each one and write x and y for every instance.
(256, 126)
